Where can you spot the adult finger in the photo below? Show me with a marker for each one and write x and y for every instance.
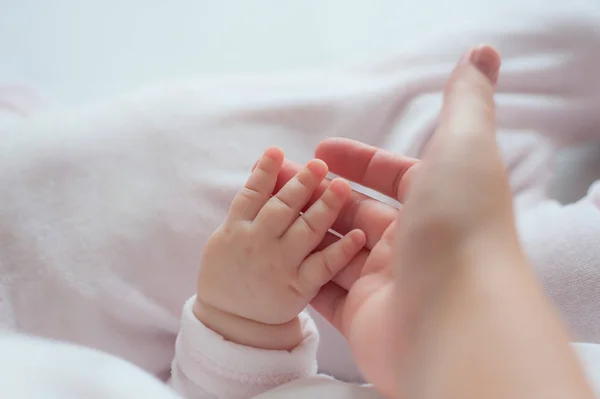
(369, 166)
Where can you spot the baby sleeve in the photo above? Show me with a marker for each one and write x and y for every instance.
(208, 366)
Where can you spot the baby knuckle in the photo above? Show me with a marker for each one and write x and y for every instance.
(251, 194)
(328, 261)
(347, 248)
(305, 182)
(330, 203)
(282, 203)
(308, 225)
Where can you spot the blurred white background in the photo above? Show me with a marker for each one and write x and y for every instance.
(77, 50)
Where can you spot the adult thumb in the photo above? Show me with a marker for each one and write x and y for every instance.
(461, 184)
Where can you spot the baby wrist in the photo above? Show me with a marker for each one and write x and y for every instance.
(248, 332)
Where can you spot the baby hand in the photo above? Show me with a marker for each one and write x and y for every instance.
(258, 270)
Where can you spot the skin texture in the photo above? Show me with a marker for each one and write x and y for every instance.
(259, 269)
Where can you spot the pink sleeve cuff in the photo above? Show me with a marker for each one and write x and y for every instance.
(225, 369)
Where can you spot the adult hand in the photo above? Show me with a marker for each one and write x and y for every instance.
(444, 301)
(369, 275)
(432, 217)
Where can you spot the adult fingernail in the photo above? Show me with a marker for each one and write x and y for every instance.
(487, 60)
